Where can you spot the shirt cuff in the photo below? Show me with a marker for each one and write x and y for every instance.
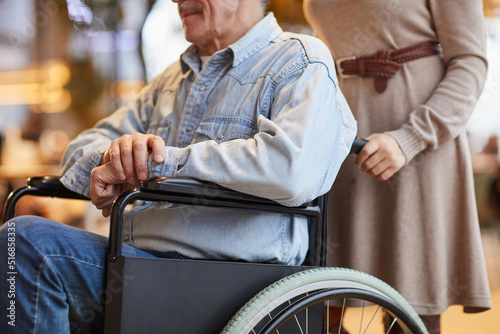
(409, 140)
(170, 164)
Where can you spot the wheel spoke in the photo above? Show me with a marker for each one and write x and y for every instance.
(342, 316)
(298, 324)
(296, 320)
(307, 320)
(373, 317)
(327, 317)
(392, 325)
(362, 314)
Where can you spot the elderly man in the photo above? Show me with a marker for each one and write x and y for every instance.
(248, 107)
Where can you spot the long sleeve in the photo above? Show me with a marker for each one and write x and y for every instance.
(274, 126)
(293, 157)
(264, 116)
(461, 32)
(84, 152)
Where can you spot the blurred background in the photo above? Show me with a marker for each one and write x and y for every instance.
(65, 64)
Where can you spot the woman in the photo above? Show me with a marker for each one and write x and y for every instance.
(409, 217)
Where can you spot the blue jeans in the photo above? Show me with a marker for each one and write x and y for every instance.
(52, 277)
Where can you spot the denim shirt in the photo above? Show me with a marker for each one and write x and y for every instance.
(264, 116)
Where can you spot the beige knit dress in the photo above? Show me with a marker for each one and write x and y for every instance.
(419, 230)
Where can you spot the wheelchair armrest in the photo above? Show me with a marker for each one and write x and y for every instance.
(47, 186)
(193, 192)
(201, 190)
(171, 189)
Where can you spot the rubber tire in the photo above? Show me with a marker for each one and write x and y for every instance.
(312, 280)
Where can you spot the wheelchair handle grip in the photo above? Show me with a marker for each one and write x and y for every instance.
(358, 145)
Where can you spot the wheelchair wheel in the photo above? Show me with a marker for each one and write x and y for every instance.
(296, 304)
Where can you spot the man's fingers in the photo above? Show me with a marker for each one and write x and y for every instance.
(157, 146)
(129, 155)
(116, 162)
(127, 159)
(105, 158)
(141, 153)
(113, 154)
(106, 212)
(104, 186)
(102, 197)
(142, 149)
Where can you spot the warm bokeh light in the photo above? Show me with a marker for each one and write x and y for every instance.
(122, 90)
(491, 7)
(42, 87)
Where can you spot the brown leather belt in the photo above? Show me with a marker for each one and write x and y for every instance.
(384, 64)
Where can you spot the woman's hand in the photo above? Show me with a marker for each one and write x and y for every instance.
(381, 157)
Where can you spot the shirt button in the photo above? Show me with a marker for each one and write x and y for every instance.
(126, 238)
(202, 88)
(220, 136)
(189, 129)
(72, 181)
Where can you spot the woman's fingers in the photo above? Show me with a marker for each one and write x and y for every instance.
(381, 157)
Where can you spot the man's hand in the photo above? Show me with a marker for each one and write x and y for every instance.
(381, 157)
(129, 154)
(123, 165)
(105, 187)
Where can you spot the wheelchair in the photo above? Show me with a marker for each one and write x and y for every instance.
(145, 295)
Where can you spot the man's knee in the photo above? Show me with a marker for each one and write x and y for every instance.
(16, 236)
(30, 233)
(23, 227)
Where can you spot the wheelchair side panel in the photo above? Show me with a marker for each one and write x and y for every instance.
(183, 296)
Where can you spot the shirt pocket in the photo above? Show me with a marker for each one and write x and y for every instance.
(224, 128)
(161, 129)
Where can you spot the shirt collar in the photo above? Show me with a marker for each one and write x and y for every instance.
(257, 38)
(252, 42)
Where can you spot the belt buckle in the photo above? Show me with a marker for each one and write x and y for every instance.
(338, 64)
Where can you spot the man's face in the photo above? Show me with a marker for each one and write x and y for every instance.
(213, 24)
